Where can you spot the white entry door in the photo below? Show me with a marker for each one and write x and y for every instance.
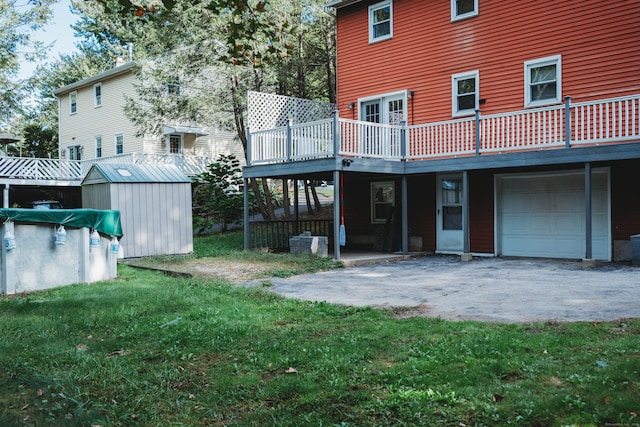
(450, 233)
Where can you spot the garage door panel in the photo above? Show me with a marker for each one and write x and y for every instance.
(543, 216)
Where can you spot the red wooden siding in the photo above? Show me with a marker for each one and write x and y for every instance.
(481, 223)
(599, 42)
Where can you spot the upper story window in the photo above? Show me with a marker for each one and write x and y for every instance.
(119, 143)
(73, 102)
(75, 152)
(175, 144)
(465, 91)
(98, 146)
(97, 94)
(380, 21)
(174, 87)
(461, 9)
(543, 84)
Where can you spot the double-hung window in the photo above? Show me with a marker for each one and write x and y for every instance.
(382, 201)
(461, 9)
(98, 140)
(380, 21)
(465, 91)
(543, 84)
(97, 94)
(119, 143)
(73, 102)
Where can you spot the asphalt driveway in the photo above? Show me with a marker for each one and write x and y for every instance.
(487, 289)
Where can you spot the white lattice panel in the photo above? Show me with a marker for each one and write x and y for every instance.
(268, 111)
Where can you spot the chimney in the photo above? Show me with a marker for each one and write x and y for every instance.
(119, 62)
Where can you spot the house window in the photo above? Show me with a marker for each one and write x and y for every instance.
(461, 9)
(98, 146)
(543, 84)
(380, 21)
(465, 92)
(119, 143)
(174, 87)
(382, 201)
(73, 102)
(75, 152)
(175, 144)
(97, 94)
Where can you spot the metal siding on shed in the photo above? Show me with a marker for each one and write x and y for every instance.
(599, 42)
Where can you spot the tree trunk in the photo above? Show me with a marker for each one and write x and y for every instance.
(314, 193)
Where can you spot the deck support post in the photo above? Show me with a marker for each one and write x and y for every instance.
(337, 189)
(466, 241)
(5, 198)
(245, 215)
(405, 217)
(588, 258)
(296, 207)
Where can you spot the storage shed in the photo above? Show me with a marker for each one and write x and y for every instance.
(154, 203)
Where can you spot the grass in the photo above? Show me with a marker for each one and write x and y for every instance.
(151, 350)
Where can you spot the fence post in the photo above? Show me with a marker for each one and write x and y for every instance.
(567, 121)
(289, 141)
(248, 146)
(477, 132)
(336, 134)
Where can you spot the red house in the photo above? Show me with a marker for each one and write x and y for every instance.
(484, 127)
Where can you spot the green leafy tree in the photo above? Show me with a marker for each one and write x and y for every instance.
(216, 196)
(17, 23)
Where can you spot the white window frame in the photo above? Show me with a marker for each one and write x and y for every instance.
(374, 187)
(372, 9)
(383, 100)
(541, 62)
(454, 11)
(75, 152)
(73, 102)
(178, 136)
(98, 144)
(115, 141)
(174, 87)
(475, 74)
(97, 98)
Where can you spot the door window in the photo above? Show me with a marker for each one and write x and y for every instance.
(451, 204)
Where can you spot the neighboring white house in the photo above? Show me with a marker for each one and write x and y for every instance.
(92, 123)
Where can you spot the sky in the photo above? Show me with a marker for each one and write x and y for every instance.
(57, 31)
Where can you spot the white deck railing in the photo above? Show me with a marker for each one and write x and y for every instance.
(39, 170)
(596, 122)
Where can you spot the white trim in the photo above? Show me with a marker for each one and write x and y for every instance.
(97, 101)
(383, 99)
(475, 74)
(372, 9)
(540, 62)
(72, 95)
(455, 17)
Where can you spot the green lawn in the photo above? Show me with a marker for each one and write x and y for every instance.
(152, 350)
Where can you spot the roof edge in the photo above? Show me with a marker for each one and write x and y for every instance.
(341, 3)
(111, 72)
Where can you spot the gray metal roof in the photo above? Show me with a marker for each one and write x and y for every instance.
(132, 173)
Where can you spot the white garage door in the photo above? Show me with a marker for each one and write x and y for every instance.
(543, 215)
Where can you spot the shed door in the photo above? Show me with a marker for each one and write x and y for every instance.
(544, 215)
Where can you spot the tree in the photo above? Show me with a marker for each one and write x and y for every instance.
(217, 50)
(17, 21)
(216, 196)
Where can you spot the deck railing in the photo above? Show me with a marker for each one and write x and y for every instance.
(594, 122)
(274, 235)
(39, 170)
